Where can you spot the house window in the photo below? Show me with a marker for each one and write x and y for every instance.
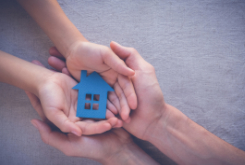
(87, 106)
(94, 102)
(96, 97)
(88, 97)
(95, 106)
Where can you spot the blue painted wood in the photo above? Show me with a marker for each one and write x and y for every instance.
(92, 84)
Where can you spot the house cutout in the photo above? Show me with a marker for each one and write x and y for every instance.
(92, 96)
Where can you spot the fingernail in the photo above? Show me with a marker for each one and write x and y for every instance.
(132, 75)
(128, 120)
(34, 124)
(132, 70)
(75, 133)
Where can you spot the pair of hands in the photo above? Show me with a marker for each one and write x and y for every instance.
(143, 118)
(59, 101)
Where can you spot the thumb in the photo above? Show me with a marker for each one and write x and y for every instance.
(117, 64)
(55, 139)
(130, 55)
(35, 102)
(121, 51)
(58, 118)
(43, 129)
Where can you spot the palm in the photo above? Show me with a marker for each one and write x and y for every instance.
(97, 146)
(149, 95)
(150, 101)
(57, 95)
(59, 100)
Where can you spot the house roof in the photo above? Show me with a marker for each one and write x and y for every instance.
(93, 82)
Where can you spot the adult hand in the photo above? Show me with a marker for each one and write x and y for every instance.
(149, 95)
(102, 148)
(93, 57)
(172, 132)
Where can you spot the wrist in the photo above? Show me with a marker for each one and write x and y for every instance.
(128, 154)
(178, 137)
(52, 19)
(22, 74)
(43, 79)
(171, 119)
(117, 155)
(72, 48)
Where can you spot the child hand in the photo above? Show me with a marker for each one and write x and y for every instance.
(58, 101)
(93, 57)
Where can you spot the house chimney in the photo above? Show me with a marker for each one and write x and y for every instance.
(83, 74)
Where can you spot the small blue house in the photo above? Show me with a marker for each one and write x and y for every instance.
(92, 96)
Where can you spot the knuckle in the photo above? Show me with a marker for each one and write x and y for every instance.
(64, 127)
(106, 51)
(151, 68)
(120, 96)
(130, 95)
(84, 130)
(123, 81)
(83, 127)
(133, 50)
(49, 116)
(113, 98)
(67, 153)
(45, 140)
(35, 104)
(50, 113)
(119, 93)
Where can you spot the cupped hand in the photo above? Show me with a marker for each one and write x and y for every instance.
(101, 147)
(58, 101)
(93, 57)
(150, 97)
(98, 147)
